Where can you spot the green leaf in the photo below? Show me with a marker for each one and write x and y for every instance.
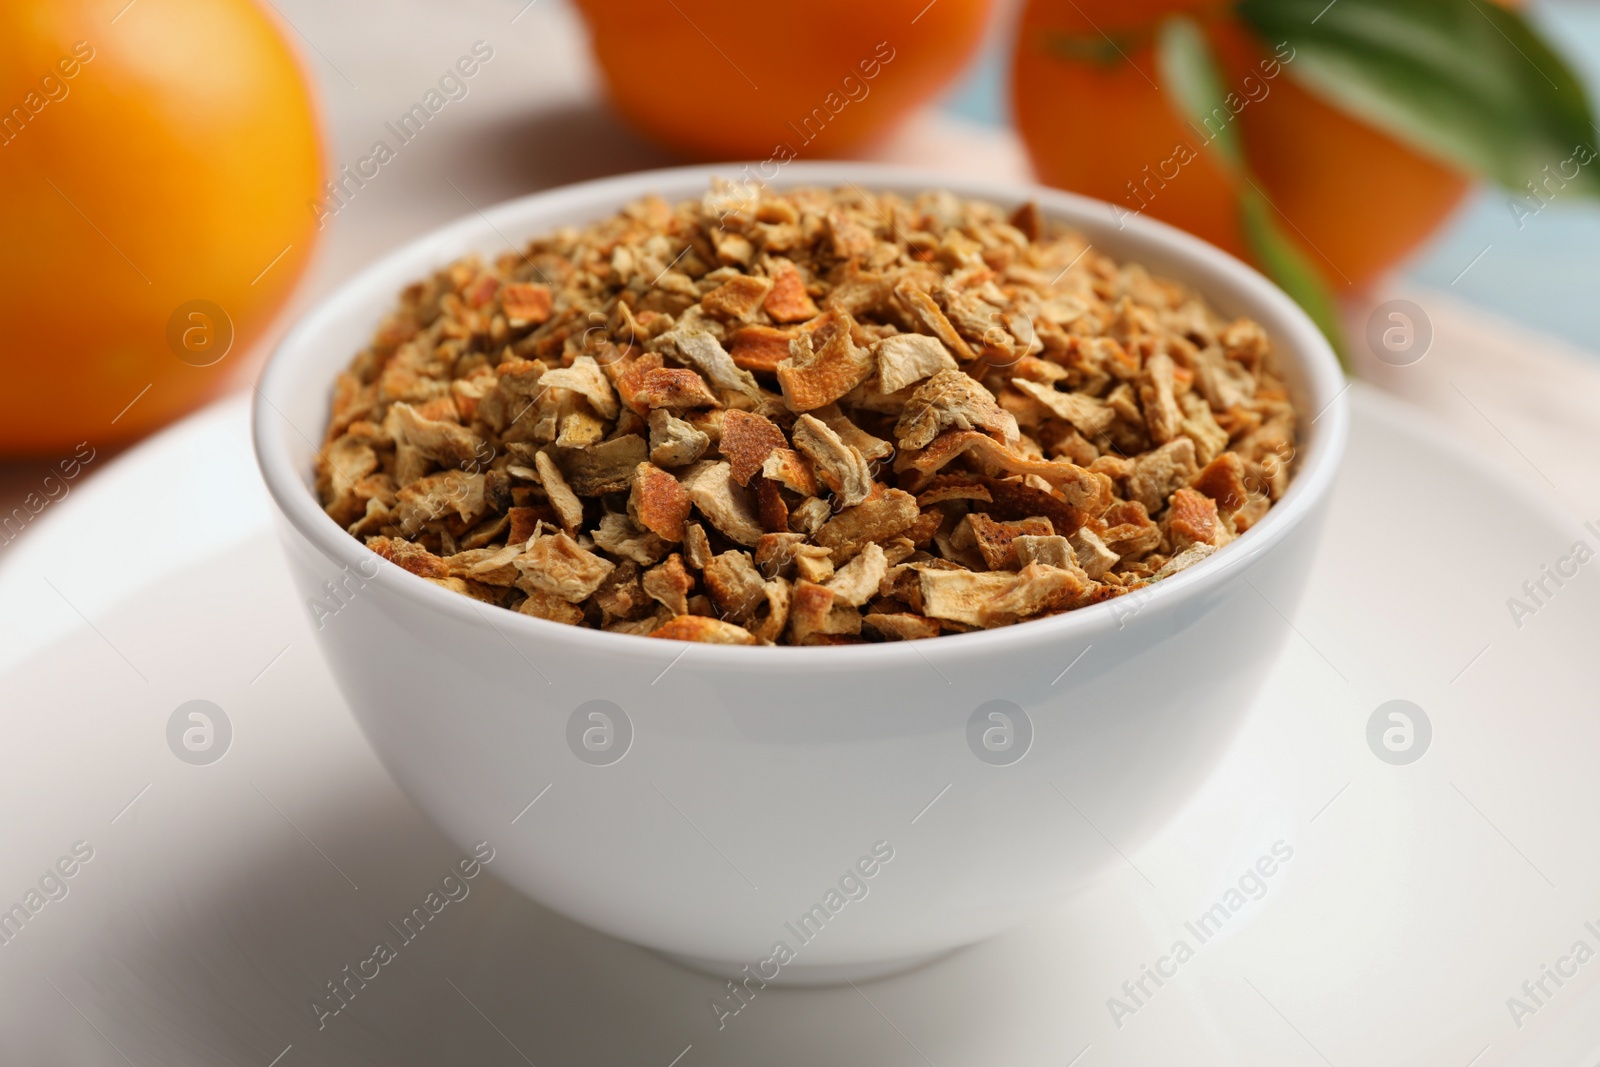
(1191, 81)
(1466, 81)
(1283, 261)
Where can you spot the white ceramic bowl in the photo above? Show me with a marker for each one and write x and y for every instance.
(755, 782)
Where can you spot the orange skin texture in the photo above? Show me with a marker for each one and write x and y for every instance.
(179, 163)
(1104, 131)
(1353, 198)
(744, 87)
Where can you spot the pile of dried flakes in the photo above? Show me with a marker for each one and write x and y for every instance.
(804, 418)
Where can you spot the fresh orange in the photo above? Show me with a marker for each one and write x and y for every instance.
(731, 79)
(1084, 88)
(152, 155)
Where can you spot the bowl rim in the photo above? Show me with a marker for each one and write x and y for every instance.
(1300, 343)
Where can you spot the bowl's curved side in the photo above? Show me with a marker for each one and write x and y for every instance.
(740, 800)
(754, 780)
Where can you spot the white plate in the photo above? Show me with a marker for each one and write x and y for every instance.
(221, 898)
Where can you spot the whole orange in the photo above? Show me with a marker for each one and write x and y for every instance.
(730, 79)
(1087, 100)
(156, 163)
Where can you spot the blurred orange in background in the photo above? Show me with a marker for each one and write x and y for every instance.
(1088, 104)
(729, 79)
(156, 160)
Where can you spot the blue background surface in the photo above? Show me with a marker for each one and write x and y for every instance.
(1545, 275)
